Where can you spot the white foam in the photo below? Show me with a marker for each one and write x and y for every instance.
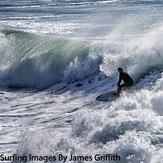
(137, 55)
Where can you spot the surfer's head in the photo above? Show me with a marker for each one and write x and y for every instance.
(120, 69)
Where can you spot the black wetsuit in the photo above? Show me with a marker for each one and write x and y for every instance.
(127, 80)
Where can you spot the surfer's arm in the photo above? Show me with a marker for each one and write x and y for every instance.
(120, 79)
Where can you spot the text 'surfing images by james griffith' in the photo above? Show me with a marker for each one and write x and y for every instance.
(60, 158)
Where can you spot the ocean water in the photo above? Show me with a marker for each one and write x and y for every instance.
(56, 57)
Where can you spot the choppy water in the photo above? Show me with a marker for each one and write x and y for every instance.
(56, 57)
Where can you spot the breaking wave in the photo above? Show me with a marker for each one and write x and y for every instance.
(29, 60)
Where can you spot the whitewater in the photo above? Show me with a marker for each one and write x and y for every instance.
(56, 57)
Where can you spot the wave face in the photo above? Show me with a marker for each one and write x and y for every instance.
(35, 61)
(30, 60)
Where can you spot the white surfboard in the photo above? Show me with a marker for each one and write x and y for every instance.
(109, 96)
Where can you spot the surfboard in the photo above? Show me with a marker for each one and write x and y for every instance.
(108, 96)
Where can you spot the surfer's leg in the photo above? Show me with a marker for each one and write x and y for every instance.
(119, 88)
(118, 91)
(124, 85)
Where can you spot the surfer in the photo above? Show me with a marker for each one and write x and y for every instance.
(128, 81)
